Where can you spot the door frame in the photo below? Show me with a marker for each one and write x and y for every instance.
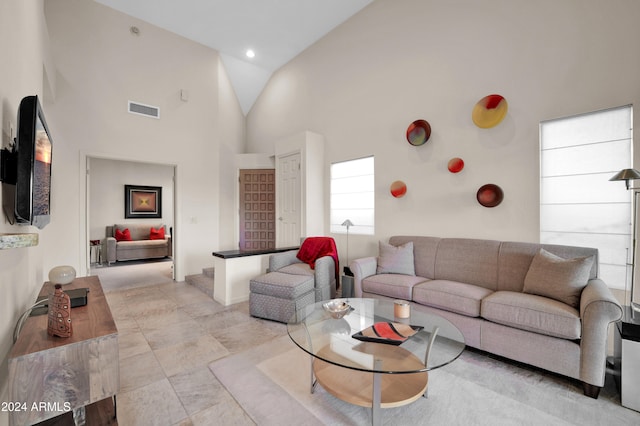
(85, 198)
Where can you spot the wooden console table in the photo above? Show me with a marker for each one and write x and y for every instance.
(51, 375)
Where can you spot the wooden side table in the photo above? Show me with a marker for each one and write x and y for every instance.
(95, 249)
(627, 347)
(49, 376)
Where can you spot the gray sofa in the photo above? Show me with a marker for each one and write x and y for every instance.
(508, 298)
(140, 246)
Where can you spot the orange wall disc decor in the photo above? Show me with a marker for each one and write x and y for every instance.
(455, 165)
(489, 111)
(398, 189)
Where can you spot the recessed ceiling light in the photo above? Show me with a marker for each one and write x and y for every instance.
(250, 53)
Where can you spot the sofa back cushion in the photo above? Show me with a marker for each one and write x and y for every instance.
(424, 253)
(515, 259)
(139, 231)
(468, 261)
(395, 259)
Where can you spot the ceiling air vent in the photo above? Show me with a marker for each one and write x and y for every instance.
(142, 109)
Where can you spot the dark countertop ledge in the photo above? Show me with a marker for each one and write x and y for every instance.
(230, 254)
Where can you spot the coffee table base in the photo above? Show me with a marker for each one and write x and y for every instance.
(359, 387)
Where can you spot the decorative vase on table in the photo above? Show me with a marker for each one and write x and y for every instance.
(59, 321)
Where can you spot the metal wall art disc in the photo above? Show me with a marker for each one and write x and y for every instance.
(490, 195)
(398, 189)
(489, 111)
(455, 165)
(418, 132)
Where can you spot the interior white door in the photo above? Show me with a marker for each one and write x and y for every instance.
(289, 196)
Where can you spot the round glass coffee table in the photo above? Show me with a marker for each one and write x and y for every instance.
(363, 371)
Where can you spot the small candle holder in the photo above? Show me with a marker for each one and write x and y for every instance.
(401, 309)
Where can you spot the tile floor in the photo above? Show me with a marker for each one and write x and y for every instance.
(168, 334)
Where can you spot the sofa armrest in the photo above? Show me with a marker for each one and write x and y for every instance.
(169, 245)
(598, 309)
(362, 268)
(325, 278)
(280, 260)
(109, 249)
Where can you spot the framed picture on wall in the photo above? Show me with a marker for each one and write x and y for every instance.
(142, 202)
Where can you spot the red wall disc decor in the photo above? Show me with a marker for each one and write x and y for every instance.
(490, 195)
(418, 132)
(455, 165)
(489, 111)
(398, 189)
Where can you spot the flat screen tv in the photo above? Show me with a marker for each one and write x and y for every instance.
(33, 165)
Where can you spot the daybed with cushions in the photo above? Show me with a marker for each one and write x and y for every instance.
(539, 304)
(131, 241)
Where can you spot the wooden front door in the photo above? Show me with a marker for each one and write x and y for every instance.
(257, 209)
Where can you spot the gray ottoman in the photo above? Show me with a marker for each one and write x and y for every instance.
(279, 296)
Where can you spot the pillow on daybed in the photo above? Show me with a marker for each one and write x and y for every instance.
(557, 278)
(123, 235)
(156, 234)
(396, 260)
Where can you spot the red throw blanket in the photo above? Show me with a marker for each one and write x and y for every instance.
(313, 248)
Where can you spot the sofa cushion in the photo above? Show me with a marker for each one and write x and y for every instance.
(298, 269)
(468, 261)
(532, 313)
(451, 296)
(141, 244)
(156, 234)
(139, 231)
(283, 286)
(123, 235)
(391, 285)
(395, 259)
(424, 253)
(558, 278)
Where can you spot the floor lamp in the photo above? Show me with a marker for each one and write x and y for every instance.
(626, 175)
(346, 269)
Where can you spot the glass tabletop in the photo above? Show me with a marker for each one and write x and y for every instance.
(437, 343)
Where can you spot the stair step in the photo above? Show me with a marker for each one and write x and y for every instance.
(202, 282)
(208, 272)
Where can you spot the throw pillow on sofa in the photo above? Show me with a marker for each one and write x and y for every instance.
(396, 260)
(557, 278)
(156, 234)
(123, 235)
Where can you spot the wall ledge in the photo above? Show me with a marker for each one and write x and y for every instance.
(9, 241)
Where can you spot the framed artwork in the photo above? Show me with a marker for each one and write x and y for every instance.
(142, 202)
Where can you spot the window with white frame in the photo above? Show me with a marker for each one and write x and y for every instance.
(578, 204)
(353, 196)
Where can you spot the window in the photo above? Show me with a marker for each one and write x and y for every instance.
(578, 204)
(353, 196)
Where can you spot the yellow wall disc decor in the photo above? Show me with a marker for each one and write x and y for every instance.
(489, 111)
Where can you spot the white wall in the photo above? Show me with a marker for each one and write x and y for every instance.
(106, 192)
(401, 60)
(101, 66)
(93, 67)
(23, 41)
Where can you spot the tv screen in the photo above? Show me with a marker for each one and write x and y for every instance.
(33, 156)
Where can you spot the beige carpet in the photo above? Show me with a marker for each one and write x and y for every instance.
(271, 383)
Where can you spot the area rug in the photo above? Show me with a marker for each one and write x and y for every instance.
(272, 384)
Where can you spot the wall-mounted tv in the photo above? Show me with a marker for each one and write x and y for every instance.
(28, 167)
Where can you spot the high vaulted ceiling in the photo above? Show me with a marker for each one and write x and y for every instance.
(276, 30)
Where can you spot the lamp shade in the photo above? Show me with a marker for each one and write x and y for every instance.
(347, 223)
(62, 274)
(626, 174)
